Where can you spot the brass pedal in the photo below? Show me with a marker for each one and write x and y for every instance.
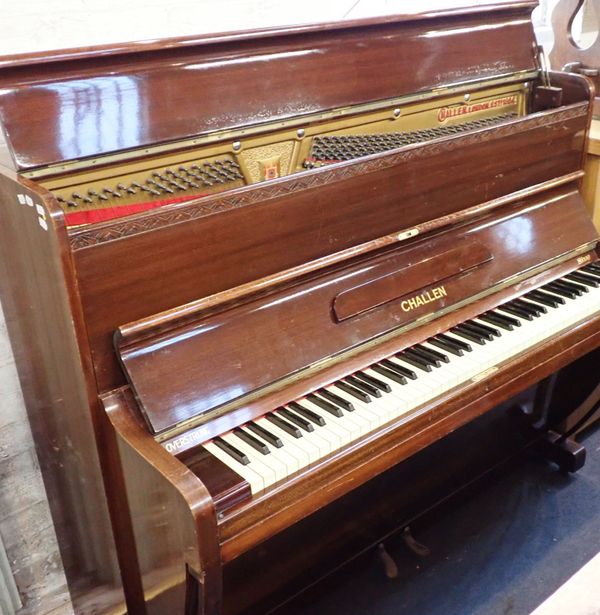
(413, 544)
(389, 565)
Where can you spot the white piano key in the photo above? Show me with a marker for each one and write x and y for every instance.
(315, 437)
(311, 452)
(344, 433)
(248, 474)
(366, 410)
(402, 399)
(289, 442)
(290, 462)
(260, 466)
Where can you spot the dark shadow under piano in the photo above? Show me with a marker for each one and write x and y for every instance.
(500, 549)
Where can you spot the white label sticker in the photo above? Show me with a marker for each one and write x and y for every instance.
(21, 198)
(413, 232)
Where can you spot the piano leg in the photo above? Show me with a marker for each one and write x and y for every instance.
(567, 454)
(558, 448)
(193, 600)
(585, 415)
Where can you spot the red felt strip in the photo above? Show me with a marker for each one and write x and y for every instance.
(78, 218)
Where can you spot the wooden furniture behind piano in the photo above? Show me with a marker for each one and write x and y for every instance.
(568, 55)
(197, 233)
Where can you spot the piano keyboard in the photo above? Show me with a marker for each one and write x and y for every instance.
(305, 431)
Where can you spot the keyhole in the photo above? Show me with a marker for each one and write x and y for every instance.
(584, 27)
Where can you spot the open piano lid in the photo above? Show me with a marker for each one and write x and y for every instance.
(85, 103)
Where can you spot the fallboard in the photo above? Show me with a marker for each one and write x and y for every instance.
(186, 368)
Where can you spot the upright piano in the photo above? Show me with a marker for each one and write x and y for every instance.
(263, 268)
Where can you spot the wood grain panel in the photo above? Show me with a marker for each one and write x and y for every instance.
(220, 357)
(291, 222)
(88, 106)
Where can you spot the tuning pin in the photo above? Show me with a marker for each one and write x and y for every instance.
(161, 186)
(150, 190)
(129, 190)
(71, 203)
(94, 194)
(177, 185)
(173, 173)
(112, 192)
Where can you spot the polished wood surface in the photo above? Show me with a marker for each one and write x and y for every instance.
(43, 315)
(224, 82)
(247, 296)
(190, 359)
(250, 239)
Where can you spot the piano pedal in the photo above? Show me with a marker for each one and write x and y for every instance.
(567, 454)
(389, 565)
(413, 544)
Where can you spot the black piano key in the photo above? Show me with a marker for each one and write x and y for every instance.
(490, 332)
(470, 327)
(363, 386)
(287, 427)
(493, 319)
(525, 309)
(417, 356)
(336, 399)
(414, 360)
(593, 268)
(265, 434)
(294, 418)
(542, 309)
(388, 373)
(325, 405)
(576, 287)
(515, 322)
(469, 334)
(399, 369)
(454, 342)
(440, 356)
(524, 305)
(515, 311)
(455, 350)
(307, 413)
(358, 393)
(375, 382)
(560, 290)
(249, 439)
(583, 278)
(545, 298)
(231, 451)
(415, 352)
